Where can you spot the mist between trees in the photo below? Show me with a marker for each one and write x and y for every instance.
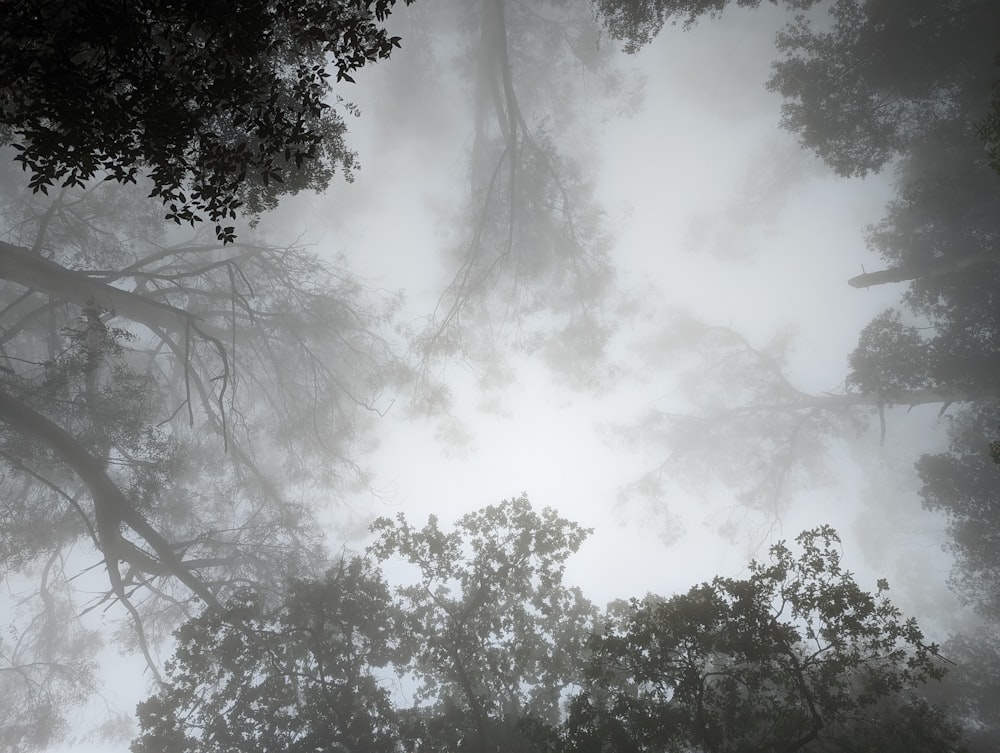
(181, 396)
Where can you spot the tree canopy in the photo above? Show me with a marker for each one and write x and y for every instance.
(797, 656)
(496, 636)
(173, 408)
(527, 248)
(869, 89)
(794, 657)
(299, 676)
(223, 106)
(170, 411)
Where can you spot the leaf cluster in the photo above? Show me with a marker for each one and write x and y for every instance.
(791, 655)
(636, 23)
(497, 634)
(223, 104)
(294, 677)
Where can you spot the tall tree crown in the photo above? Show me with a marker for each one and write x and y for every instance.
(224, 105)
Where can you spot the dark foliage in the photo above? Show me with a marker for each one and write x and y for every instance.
(796, 656)
(223, 104)
(295, 677)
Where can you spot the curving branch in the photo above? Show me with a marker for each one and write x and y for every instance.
(111, 508)
(807, 695)
(19, 265)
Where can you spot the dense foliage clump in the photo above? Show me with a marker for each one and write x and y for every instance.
(505, 657)
(224, 106)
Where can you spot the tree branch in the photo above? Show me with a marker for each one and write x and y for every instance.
(111, 507)
(916, 271)
(19, 265)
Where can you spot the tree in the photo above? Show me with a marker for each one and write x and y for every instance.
(745, 425)
(215, 103)
(868, 88)
(299, 676)
(46, 667)
(794, 657)
(496, 637)
(166, 399)
(637, 22)
(489, 631)
(865, 84)
(965, 484)
(874, 83)
(972, 687)
(159, 400)
(528, 266)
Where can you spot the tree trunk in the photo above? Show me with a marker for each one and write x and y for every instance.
(909, 398)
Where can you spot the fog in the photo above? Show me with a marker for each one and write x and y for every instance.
(715, 249)
(714, 212)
